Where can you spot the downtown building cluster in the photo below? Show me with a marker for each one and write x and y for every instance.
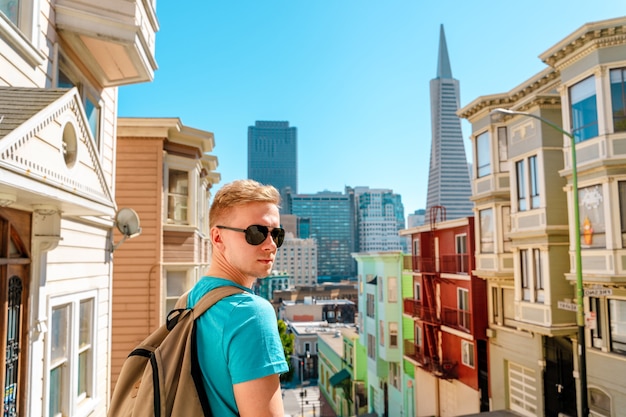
(482, 316)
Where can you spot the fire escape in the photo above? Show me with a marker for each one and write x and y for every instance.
(425, 307)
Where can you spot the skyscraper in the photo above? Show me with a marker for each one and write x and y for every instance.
(333, 225)
(380, 217)
(272, 155)
(448, 177)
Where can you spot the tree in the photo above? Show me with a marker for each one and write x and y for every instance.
(287, 340)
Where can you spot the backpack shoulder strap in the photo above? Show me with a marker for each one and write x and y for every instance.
(208, 299)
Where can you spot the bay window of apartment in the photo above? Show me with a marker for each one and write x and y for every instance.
(527, 184)
(392, 290)
(177, 282)
(20, 15)
(503, 149)
(584, 109)
(462, 257)
(595, 308)
(67, 77)
(486, 230)
(381, 332)
(621, 190)
(483, 155)
(592, 223)
(531, 275)
(463, 308)
(467, 353)
(506, 229)
(502, 306)
(71, 372)
(371, 346)
(369, 311)
(177, 196)
(618, 98)
(393, 334)
(617, 325)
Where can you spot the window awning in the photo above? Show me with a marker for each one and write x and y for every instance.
(339, 377)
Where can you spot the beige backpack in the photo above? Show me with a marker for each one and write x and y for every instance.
(161, 377)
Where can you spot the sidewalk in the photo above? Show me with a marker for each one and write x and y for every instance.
(307, 405)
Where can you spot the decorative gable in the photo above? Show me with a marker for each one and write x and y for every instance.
(47, 152)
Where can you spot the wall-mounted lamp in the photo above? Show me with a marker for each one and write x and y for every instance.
(7, 199)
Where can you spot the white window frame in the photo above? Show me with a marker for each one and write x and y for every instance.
(174, 162)
(393, 334)
(483, 155)
(467, 353)
(71, 403)
(171, 294)
(22, 37)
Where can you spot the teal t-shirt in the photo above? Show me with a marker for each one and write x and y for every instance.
(238, 341)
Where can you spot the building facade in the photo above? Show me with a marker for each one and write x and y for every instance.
(60, 66)
(298, 258)
(165, 172)
(380, 218)
(568, 119)
(448, 176)
(273, 155)
(333, 225)
(447, 304)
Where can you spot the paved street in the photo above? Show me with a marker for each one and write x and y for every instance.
(302, 406)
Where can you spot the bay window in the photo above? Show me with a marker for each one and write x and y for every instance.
(618, 98)
(584, 109)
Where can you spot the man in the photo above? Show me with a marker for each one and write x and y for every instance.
(240, 352)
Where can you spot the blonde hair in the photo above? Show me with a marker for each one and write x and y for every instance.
(238, 193)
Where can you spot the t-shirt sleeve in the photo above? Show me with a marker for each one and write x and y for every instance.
(254, 349)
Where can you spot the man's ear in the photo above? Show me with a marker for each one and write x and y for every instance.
(216, 236)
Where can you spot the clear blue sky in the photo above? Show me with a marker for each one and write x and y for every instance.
(352, 75)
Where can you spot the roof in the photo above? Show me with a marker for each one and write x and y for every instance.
(18, 105)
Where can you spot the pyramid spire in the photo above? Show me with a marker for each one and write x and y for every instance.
(443, 62)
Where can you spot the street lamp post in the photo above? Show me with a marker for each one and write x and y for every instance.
(580, 322)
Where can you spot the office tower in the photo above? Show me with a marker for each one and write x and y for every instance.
(380, 218)
(416, 218)
(448, 177)
(333, 225)
(298, 258)
(272, 155)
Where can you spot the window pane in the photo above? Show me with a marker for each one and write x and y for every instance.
(93, 117)
(591, 209)
(534, 185)
(521, 185)
(617, 317)
(58, 333)
(584, 109)
(483, 160)
(486, 231)
(10, 8)
(618, 99)
(56, 382)
(503, 150)
(86, 316)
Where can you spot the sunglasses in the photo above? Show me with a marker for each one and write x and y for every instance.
(256, 234)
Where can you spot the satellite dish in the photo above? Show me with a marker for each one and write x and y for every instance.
(127, 222)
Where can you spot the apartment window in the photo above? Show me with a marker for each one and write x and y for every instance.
(177, 282)
(381, 292)
(599, 402)
(462, 258)
(370, 305)
(467, 353)
(486, 230)
(371, 346)
(419, 337)
(533, 182)
(463, 308)
(393, 334)
(521, 185)
(539, 279)
(621, 189)
(178, 196)
(92, 103)
(503, 149)
(71, 368)
(381, 330)
(392, 290)
(10, 9)
(508, 306)
(483, 152)
(417, 291)
(618, 98)
(595, 307)
(524, 274)
(584, 110)
(591, 210)
(506, 229)
(395, 375)
(617, 325)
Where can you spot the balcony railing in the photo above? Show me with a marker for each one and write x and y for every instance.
(443, 369)
(416, 309)
(457, 263)
(457, 319)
